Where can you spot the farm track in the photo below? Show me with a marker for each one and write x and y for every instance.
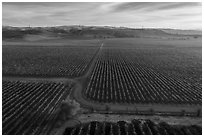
(64, 80)
(81, 83)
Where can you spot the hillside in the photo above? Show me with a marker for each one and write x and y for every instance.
(182, 32)
(85, 32)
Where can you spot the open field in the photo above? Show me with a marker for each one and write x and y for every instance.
(132, 76)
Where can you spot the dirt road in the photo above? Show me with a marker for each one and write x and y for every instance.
(82, 81)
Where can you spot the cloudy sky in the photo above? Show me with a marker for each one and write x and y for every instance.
(138, 14)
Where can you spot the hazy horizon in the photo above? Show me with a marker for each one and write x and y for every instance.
(167, 15)
(98, 26)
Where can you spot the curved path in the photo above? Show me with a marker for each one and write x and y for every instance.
(81, 83)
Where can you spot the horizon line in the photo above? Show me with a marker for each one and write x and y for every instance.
(99, 26)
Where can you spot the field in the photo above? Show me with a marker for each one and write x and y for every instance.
(63, 60)
(30, 107)
(135, 127)
(127, 76)
(134, 73)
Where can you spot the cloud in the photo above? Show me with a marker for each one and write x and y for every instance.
(153, 6)
(136, 14)
(178, 5)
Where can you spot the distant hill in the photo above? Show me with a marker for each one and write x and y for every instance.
(77, 32)
(182, 32)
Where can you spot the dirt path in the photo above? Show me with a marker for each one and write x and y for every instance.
(80, 85)
(86, 118)
(125, 108)
(177, 120)
(132, 108)
(91, 66)
(82, 81)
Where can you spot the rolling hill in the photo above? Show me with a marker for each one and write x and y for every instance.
(90, 32)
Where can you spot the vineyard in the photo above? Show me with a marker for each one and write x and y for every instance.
(173, 62)
(30, 107)
(135, 127)
(129, 75)
(174, 58)
(47, 61)
(114, 76)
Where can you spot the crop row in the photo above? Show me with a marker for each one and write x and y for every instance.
(47, 61)
(173, 62)
(135, 127)
(119, 77)
(183, 59)
(30, 107)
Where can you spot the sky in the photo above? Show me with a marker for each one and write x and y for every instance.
(183, 15)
